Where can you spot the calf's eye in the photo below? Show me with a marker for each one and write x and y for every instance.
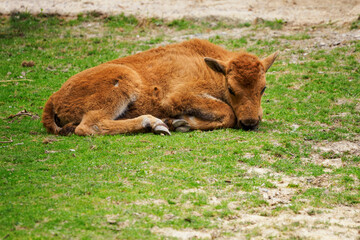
(231, 92)
(262, 91)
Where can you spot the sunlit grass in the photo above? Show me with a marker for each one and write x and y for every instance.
(69, 187)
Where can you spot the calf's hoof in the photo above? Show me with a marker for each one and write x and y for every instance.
(68, 129)
(162, 130)
(181, 125)
(155, 125)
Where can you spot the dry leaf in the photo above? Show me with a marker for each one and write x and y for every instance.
(28, 63)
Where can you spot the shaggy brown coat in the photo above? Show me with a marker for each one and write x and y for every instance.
(189, 85)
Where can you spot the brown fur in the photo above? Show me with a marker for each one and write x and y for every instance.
(133, 93)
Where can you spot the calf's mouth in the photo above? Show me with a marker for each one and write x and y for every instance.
(249, 124)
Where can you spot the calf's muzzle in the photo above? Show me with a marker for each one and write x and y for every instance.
(249, 123)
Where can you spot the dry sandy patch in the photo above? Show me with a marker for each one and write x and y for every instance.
(297, 12)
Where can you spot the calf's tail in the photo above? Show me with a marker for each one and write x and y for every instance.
(52, 122)
(48, 118)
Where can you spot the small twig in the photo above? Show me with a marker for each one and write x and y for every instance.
(18, 80)
(9, 141)
(16, 144)
(24, 113)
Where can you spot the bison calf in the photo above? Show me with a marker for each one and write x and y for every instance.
(189, 85)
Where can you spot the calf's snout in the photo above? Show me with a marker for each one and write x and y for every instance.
(249, 123)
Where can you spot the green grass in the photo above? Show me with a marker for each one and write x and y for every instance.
(122, 21)
(355, 24)
(276, 24)
(105, 186)
(299, 36)
(181, 24)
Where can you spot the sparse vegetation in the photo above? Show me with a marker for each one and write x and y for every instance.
(181, 24)
(355, 24)
(277, 24)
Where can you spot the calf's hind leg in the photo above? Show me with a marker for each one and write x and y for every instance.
(106, 92)
(98, 123)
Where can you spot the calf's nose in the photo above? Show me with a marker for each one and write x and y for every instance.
(248, 124)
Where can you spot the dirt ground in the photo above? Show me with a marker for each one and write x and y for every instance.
(295, 12)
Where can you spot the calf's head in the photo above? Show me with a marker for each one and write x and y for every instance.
(246, 83)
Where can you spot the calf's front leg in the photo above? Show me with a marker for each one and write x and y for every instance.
(200, 112)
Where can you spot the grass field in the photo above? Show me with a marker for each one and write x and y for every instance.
(296, 177)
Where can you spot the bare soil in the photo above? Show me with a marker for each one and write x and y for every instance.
(295, 12)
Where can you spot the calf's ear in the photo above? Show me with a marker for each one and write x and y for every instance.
(268, 61)
(216, 65)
